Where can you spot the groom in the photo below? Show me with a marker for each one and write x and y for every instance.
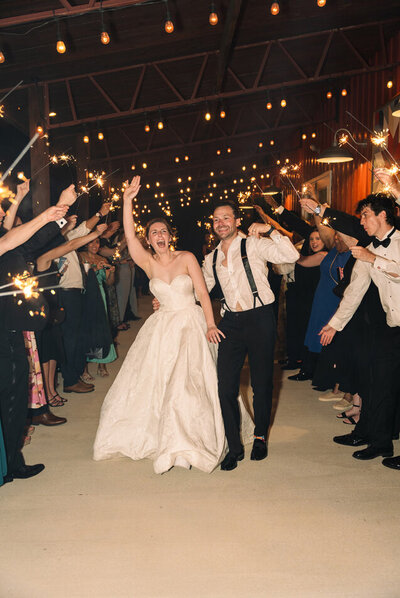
(248, 322)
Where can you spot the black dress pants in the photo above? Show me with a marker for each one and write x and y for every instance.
(14, 370)
(75, 359)
(251, 333)
(379, 392)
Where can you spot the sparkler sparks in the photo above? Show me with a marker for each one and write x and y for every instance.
(380, 138)
(27, 284)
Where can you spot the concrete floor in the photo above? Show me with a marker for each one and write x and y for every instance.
(310, 521)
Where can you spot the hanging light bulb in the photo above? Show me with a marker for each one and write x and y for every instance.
(100, 136)
(344, 92)
(160, 123)
(177, 159)
(39, 129)
(269, 105)
(147, 128)
(168, 25)
(105, 38)
(275, 8)
(86, 139)
(207, 115)
(213, 17)
(304, 136)
(2, 57)
(283, 103)
(144, 165)
(321, 3)
(389, 84)
(222, 113)
(329, 95)
(61, 47)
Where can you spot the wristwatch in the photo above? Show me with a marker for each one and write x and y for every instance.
(317, 210)
(99, 215)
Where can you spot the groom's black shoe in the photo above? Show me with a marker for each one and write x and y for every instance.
(259, 450)
(230, 461)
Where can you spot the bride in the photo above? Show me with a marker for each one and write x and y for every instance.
(163, 404)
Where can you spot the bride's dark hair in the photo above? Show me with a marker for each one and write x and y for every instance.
(153, 221)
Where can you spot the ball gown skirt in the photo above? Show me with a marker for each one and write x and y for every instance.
(163, 404)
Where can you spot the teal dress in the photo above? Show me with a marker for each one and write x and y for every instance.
(112, 354)
(3, 460)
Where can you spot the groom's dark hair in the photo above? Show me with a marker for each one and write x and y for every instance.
(231, 204)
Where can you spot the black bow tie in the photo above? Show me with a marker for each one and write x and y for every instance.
(385, 243)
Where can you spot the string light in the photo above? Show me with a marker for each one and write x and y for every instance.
(86, 139)
(2, 57)
(304, 136)
(61, 47)
(272, 142)
(283, 103)
(104, 37)
(269, 105)
(222, 113)
(100, 136)
(328, 95)
(213, 17)
(207, 115)
(177, 159)
(52, 114)
(275, 8)
(344, 92)
(144, 165)
(321, 3)
(160, 123)
(168, 25)
(389, 84)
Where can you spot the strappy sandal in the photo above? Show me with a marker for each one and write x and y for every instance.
(101, 371)
(57, 401)
(351, 421)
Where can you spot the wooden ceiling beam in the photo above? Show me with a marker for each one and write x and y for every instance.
(67, 11)
(225, 48)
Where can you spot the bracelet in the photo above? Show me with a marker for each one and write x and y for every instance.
(270, 230)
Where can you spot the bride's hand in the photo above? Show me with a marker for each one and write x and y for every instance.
(213, 335)
(156, 304)
(132, 189)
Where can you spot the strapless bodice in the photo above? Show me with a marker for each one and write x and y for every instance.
(176, 295)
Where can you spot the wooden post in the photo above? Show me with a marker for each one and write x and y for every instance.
(82, 160)
(40, 187)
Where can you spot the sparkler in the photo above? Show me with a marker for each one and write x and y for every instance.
(23, 277)
(99, 182)
(19, 157)
(65, 158)
(10, 91)
(378, 139)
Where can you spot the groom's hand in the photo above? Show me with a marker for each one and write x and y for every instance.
(156, 304)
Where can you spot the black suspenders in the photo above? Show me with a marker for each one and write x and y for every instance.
(247, 269)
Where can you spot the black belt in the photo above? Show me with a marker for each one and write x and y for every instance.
(72, 289)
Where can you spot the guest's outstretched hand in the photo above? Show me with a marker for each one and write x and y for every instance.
(68, 196)
(55, 213)
(100, 228)
(132, 189)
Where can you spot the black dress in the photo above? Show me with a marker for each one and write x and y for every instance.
(49, 340)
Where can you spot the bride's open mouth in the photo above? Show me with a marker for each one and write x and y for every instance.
(161, 244)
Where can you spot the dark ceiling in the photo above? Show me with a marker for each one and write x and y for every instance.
(249, 58)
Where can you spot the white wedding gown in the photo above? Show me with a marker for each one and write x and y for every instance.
(163, 404)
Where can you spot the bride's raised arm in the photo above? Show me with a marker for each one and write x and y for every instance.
(136, 249)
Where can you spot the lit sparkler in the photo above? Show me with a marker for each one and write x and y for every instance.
(379, 138)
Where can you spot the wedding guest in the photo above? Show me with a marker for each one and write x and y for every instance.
(380, 263)
(71, 299)
(105, 276)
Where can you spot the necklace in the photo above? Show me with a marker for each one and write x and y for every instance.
(330, 269)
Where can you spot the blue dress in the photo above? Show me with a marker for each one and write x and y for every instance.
(3, 460)
(325, 302)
